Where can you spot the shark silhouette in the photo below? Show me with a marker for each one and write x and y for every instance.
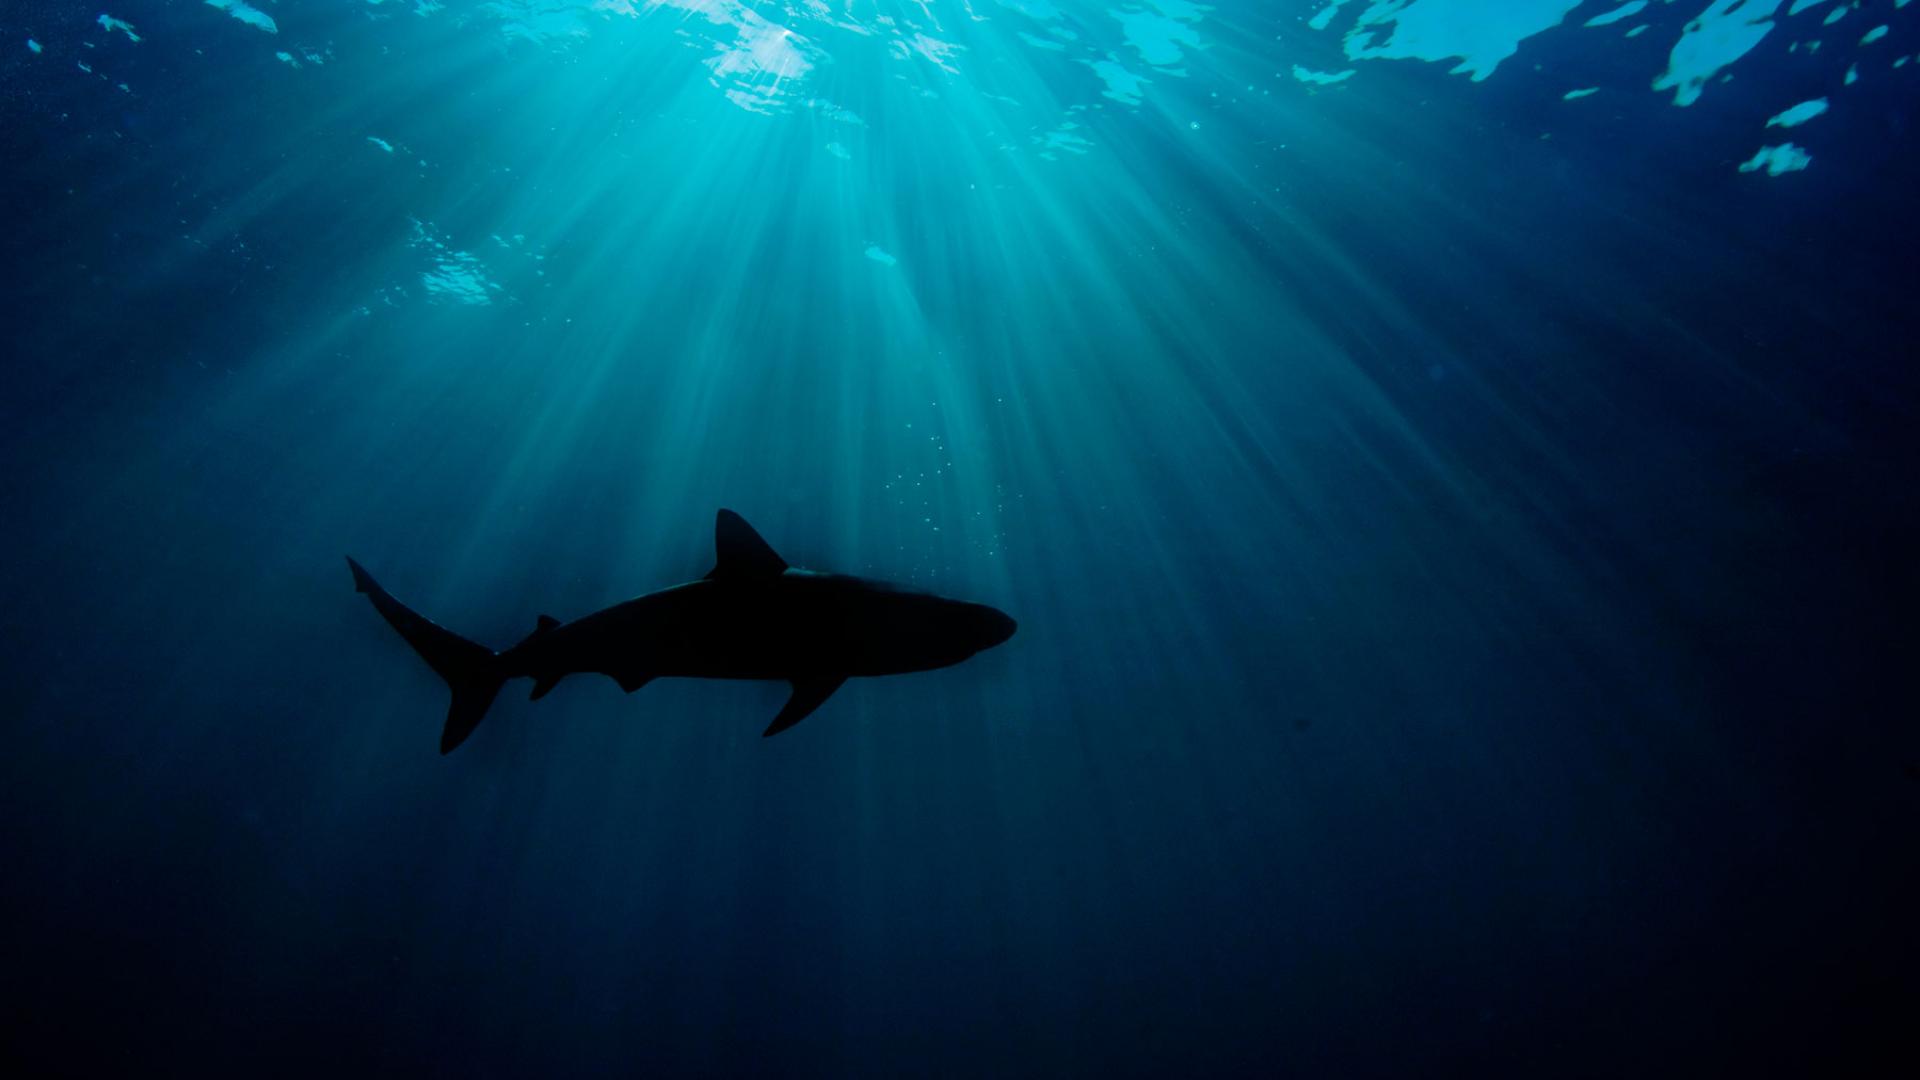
(752, 617)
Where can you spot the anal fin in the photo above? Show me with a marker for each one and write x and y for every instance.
(808, 694)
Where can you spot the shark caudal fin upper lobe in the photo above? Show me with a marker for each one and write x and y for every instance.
(472, 671)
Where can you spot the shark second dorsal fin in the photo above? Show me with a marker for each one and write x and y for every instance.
(739, 552)
(540, 626)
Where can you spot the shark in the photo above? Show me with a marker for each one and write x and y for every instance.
(752, 617)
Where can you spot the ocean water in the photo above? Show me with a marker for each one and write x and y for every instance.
(1453, 463)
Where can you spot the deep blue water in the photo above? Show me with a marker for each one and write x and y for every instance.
(1462, 535)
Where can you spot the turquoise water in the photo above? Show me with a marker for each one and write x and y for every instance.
(1451, 463)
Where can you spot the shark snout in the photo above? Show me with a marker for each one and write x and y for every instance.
(996, 626)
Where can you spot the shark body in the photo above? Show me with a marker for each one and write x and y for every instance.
(752, 617)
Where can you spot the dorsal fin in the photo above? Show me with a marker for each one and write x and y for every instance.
(540, 626)
(739, 552)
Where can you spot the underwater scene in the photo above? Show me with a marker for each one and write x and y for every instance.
(829, 538)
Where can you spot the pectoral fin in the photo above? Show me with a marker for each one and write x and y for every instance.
(807, 696)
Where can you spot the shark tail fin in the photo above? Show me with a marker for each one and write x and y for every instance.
(472, 671)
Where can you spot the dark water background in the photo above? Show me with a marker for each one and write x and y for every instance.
(1465, 577)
